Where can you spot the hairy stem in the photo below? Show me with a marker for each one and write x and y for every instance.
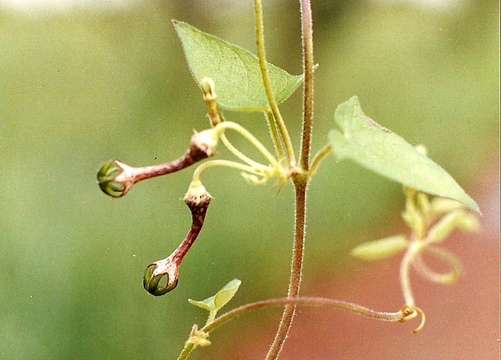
(186, 352)
(263, 65)
(300, 183)
(308, 85)
(295, 274)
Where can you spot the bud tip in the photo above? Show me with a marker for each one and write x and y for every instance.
(107, 179)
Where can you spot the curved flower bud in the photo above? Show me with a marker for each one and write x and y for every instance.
(162, 276)
(116, 178)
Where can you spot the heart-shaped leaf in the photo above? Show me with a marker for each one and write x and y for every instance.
(380, 249)
(376, 148)
(235, 71)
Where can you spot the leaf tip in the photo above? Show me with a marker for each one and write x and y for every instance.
(175, 23)
(472, 204)
(354, 100)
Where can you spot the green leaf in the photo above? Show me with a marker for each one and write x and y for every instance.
(376, 148)
(235, 71)
(220, 299)
(380, 249)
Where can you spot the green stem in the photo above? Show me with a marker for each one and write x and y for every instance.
(210, 98)
(275, 136)
(225, 125)
(398, 316)
(223, 163)
(231, 148)
(318, 158)
(263, 65)
(186, 352)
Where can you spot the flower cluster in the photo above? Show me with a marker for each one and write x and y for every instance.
(116, 179)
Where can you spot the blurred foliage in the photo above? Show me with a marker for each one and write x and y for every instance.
(79, 87)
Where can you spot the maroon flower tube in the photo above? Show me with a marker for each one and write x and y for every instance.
(162, 276)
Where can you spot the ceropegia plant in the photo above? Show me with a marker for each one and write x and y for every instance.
(234, 79)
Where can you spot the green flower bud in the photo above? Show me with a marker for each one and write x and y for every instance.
(111, 179)
(161, 277)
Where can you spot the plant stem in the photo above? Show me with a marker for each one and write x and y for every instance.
(263, 65)
(216, 118)
(307, 301)
(308, 85)
(223, 163)
(450, 259)
(228, 125)
(300, 183)
(231, 148)
(186, 352)
(412, 251)
(295, 274)
(275, 137)
(318, 158)
(398, 316)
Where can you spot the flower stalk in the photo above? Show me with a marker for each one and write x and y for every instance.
(116, 178)
(162, 276)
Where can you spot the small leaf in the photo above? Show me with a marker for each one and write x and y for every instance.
(224, 295)
(235, 71)
(376, 148)
(380, 249)
(220, 299)
(206, 304)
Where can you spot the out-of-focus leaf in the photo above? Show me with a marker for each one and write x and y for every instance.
(380, 249)
(235, 70)
(376, 148)
(220, 299)
(441, 206)
(457, 219)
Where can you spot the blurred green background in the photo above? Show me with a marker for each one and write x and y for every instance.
(83, 85)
